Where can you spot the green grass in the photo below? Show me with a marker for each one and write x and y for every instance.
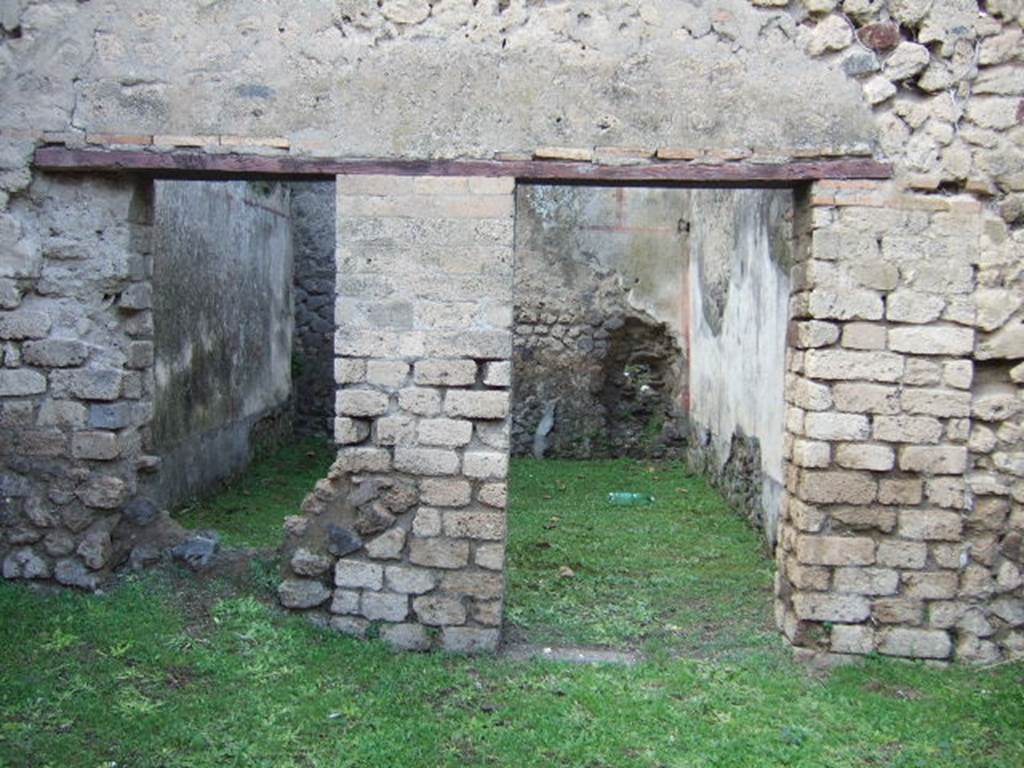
(683, 575)
(169, 669)
(248, 511)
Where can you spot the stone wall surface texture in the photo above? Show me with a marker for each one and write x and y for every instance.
(902, 523)
(313, 226)
(414, 507)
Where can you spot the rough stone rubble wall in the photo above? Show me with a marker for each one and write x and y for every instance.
(417, 495)
(902, 530)
(76, 383)
(313, 223)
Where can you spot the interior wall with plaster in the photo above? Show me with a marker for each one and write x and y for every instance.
(741, 245)
(223, 322)
(601, 321)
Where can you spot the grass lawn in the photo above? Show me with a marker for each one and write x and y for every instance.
(683, 575)
(169, 669)
(249, 510)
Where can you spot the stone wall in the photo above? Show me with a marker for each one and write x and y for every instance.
(408, 528)
(740, 257)
(313, 228)
(76, 382)
(934, 88)
(600, 332)
(223, 319)
(901, 533)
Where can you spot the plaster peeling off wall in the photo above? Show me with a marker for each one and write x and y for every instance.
(740, 251)
(222, 311)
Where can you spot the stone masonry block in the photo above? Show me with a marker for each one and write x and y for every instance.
(902, 554)
(907, 429)
(846, 304)
(98, 446)
(498, 374)
(427, 522)
(822, 606)
(426, 461)
(876, 458)
(811, 454)
(21, 383)
(852, 638)
(24, 324)
(836, 426)
(350, 431)
(493, 495)
(915, 643)
(835, 550)
(477, 404)
(930, 524)
(932, 340)
(449, 433)
(474, 525)
(386, 373)
(934, 460)
(97, 384)
(867, 581)
(439, 552)
(420, 401)
(448, 373)
(439, 610)
(354, 574)
(396, 430)
(481, 585)
(900, 492)
(836, 487)
(360, 402)
(384, 606)
(490, 556)
(485, 465)
(857, 397)
(409, 580)
(485, 345)
(363, 459)
(54, 353)
(847, 365)
(445, 493)
(936, 402)
(812, 333)
(906, 306)
(931, 585)
(868, 336)
(349, 370)
(864, 518)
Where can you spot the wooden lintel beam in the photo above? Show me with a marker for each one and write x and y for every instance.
(180, 164)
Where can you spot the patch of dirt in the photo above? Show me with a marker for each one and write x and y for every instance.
(903, 693)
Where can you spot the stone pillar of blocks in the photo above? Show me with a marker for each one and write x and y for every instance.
(897, 536)
(416, 498)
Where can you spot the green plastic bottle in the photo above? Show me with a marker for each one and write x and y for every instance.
(625, 498)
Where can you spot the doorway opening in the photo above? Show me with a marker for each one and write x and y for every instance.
(648, 359)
